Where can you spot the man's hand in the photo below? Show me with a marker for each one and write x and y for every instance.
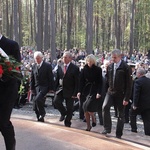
(98, 96)
(125, 103)
(32, 92)
(134, 107)
(78, 95)
(73, 97)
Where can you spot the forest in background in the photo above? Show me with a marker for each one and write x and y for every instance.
(81, 24)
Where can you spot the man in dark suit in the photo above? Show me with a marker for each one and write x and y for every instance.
(8, 94)
(66, 89)
(41, 83)
(141, 101)
(119, 84)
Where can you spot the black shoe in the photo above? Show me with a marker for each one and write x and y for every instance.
(62, 118)
(105, 132)
(88, 129)
(41, 119)
(17, 107)
(118, 136)
(93, 124)
(67, 125)
(84, 120)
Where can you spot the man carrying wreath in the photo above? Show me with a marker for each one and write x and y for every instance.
(8, 93)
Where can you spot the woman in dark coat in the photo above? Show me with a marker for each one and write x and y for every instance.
(90, 82)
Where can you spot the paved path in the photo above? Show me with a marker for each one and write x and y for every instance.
(53, 135)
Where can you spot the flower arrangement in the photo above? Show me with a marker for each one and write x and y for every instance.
(9, 67)
(24, 85)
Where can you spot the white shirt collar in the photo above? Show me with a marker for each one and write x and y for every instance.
(67, 64)
(117, 64)
(1, 36)
(40, 64)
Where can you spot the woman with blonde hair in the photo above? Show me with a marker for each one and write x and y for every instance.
(90, 83)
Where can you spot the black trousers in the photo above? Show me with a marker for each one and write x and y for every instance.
(9, 93)
(146, 120)
(65, 110)
(133, 114)
(100, 116)
(116, 100)
(127, 110)
(6, 126)
(81, 112)
(39, 101)
(145, 114)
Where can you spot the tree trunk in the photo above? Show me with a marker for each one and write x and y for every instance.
(46, 27)
(89, 30)
(20, 23)
(109, 33)
(131, 27)
(69, 24)
(31, 22)
(116, 23)
(39, 38)
(7, 19)
(16, 21)
(53, 32)
(119, 25)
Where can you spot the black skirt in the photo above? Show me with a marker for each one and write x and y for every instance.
(91, 104)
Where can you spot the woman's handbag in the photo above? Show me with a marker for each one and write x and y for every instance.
(88, 100)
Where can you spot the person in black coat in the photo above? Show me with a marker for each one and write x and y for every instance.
(119, 85)
(90, 83)
(8, 94)
(141, 99)
(127, 107)
(41, 83)
(99, 111)
(66, 89)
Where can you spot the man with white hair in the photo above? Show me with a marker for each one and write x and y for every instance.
(41, 83)
(141, 101)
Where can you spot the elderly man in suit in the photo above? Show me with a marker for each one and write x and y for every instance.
(8, 94)
(141, 101)
(119, 85)
(41, 83)
(66, 89)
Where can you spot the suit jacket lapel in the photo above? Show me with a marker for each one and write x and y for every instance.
(36, 68)
(41, 67)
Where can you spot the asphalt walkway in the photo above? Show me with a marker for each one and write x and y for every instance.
(53, 135)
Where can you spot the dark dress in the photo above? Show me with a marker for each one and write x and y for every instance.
(90, 83)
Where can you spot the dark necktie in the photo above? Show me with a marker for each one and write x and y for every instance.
(38, 67)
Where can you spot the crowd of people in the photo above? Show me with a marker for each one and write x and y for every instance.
(92, 83)
(89, 83)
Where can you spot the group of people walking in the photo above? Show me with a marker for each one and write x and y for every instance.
(96, 92)
(95, 89)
